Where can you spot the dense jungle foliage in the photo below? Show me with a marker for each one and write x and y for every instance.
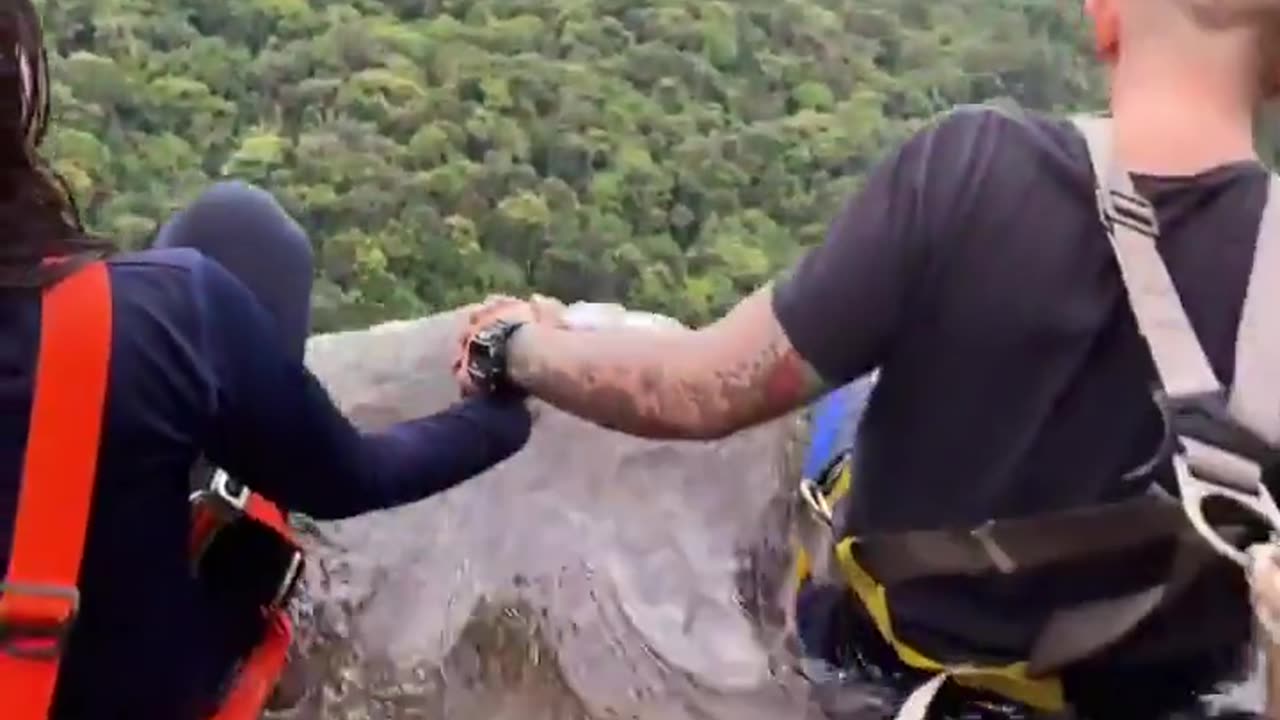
(669, 154)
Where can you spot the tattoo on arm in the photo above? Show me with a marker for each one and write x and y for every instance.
(670, 384)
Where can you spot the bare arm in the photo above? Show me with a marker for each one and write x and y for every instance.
(690, 384)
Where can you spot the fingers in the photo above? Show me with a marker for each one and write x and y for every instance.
(537, 309)
(491, 305)
(548, 310)
(1264, 572)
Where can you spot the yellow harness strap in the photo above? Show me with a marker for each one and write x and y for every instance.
(1010, 681)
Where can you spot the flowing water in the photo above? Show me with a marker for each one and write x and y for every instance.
(591, 576)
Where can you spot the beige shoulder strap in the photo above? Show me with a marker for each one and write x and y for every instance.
(1203, 470)
(1134, 230)
(1255, 397)
(1180, 360)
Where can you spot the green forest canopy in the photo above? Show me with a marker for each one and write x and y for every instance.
(668, 154)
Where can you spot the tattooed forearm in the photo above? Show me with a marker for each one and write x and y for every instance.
(681, 384)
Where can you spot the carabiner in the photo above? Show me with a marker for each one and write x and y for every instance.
(1194, 491)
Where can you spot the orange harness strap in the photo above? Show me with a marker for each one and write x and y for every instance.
(260, 672)
(268, 513)
(205, 524)
(39, 598)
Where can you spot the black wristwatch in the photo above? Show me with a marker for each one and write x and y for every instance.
(487, 358)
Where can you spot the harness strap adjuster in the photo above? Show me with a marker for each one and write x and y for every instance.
(815, 498)
(1000, 558)
(1134, 212)
(820, 493)
(1206, 417)
(233, 493)
(258, 548)
(1195, 491)
(1215, 457)
(36, 619)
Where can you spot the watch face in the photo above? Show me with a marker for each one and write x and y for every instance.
(480, 357)
(487, 357)
(480, 345)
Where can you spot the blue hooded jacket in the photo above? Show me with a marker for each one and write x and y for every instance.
(197, 369)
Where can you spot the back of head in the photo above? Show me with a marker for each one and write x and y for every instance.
(1189, 78)
(1228, 13)
(1258, 21)
(1227, 37)
(38, 218)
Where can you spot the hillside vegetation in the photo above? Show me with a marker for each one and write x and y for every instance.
(670, 154)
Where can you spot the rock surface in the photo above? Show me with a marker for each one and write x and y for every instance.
(592, 575)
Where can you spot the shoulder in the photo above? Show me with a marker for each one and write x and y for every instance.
(1009, 122)
(168, 279)
(163, 374)
(158, 282)
(179, 312)
(1000, 137)
(150, 269)
(979, 158)
(168, 297)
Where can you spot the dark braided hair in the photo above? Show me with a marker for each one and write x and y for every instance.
(38, 216)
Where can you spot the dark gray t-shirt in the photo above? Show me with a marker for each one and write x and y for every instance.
(973, 271)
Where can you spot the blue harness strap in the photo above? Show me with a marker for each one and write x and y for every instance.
(835, 424)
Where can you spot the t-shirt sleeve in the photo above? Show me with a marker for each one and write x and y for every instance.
(275, 428)
(844, 302)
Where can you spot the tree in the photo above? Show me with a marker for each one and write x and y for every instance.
(669, 154)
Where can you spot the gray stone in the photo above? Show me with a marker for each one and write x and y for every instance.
(591, 575)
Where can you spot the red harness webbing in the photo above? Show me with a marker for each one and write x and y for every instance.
(260, 672)
(265, 664)
(39, 599)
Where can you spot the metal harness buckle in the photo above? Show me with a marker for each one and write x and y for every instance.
(231, 499)
(817, 502)
(229, 491)
(815, 490)
(38, 638)
(1214, 457)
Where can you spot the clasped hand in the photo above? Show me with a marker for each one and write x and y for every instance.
(537, 309)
